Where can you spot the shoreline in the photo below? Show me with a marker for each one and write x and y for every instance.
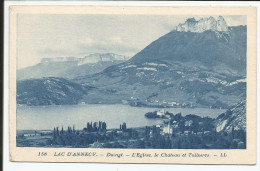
(108, 104)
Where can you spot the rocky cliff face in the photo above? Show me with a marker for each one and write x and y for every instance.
(183, 69)
(233, 118)
(90, 59)
(101, 57)
(192, 25)
(70, 67)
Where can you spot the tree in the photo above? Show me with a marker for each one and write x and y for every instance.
(221, 143)
(182, 126)
(233, 132)
(49, 142)
(59, 141)
(233, 144)
(73, 129)
(124, 126)
(57, 131)
(195, 126)
(140, 144)
(54, 133)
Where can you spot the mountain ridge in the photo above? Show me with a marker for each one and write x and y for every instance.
(233, 118)
(91, 58)
(70, 67)
(203, 24)
(180, 69)
(177, 73)
(207, 47)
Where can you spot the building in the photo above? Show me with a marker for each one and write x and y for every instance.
(167, 116)
(174, 122)
(187, 132)
(167, 129)
(125, 102)
(96, 145)
(188, 123)
(161, 113)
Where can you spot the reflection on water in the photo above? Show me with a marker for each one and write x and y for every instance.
(48, 117)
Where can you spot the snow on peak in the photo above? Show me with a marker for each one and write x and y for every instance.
(203, 24)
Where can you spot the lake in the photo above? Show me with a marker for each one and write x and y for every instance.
(48, 117)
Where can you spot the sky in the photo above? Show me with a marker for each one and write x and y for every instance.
(67, 35)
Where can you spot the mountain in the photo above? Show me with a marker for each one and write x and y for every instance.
(70, 67)
(201, 66)
(203, 24)
(218, 51)
(183, 69)
(59, 91)
(235, 118)
(49, 91)
(101, 57)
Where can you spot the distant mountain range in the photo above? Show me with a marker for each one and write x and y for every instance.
(199, 64)
(70, 67)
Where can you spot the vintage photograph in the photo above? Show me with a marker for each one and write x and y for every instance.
(139, 81)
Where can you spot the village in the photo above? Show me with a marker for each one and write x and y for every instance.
(176, 132)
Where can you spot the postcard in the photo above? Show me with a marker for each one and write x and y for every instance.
(133, 84)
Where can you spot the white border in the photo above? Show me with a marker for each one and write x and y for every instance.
(88, 166)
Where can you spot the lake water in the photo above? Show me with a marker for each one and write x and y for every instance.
(48, 117)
